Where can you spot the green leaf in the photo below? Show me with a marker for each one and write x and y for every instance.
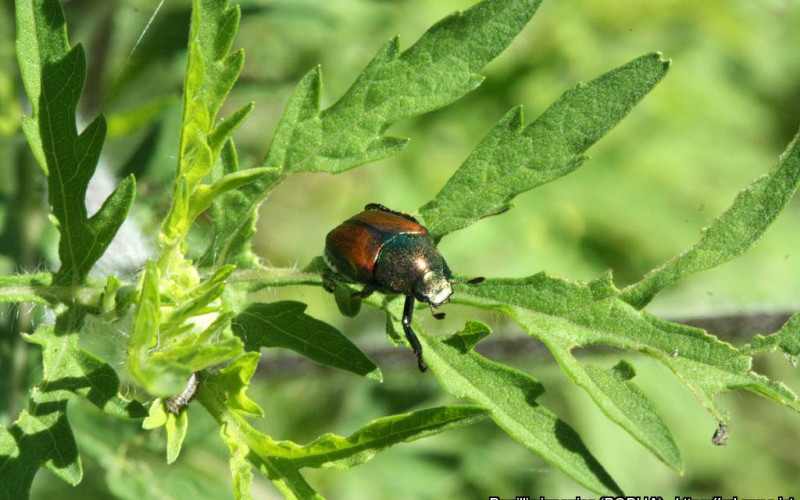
(54, 76)
(241, 468)
(163, 352)
(234, 214)
(222, 394)
(331, 451)
(42, 435)
(176, 426)
(280, 461)
(225, 128)
(38, 43)
(630, 406)
(510, 397)
(733, 232)
(205, 195)
(567, 315)
(348, 301)
(210, 74)
(438, 69)
(513, 159)
(157, 415)
(68, 367)
(787, 339)
(285, 324)
(232, 381)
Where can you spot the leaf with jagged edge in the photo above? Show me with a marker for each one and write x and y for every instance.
(163, 352)
(513, 159)
(222, 393)
(234, 214)
(733, 232)
(510, 397)
(787, 339)
(54, 75)
(210, 75)
(437, 70)
(336, 452)
(285, 324)
(567, 315)
(42, 435)
(68, 367)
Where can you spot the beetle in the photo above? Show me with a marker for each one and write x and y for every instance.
(390, 252)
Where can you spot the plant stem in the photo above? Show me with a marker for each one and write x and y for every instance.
(275, 277)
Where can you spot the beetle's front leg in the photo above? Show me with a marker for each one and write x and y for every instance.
(408, 312)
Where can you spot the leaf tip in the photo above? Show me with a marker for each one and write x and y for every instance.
(375, 375)
(469, 336)
(666, 62)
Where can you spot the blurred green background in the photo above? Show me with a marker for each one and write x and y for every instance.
(728, 107)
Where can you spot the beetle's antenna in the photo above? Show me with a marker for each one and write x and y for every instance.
(473, 281)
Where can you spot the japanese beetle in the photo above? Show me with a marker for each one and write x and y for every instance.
(390, 252)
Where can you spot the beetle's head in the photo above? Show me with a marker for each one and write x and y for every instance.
(433, 288)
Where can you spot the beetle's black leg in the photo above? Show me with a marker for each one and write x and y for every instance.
(408, 312)
(365, 292)
(384, 208)
(328, 283)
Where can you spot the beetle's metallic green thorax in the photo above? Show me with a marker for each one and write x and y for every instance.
(410, 264)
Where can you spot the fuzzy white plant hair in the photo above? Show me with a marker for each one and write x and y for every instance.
(130, 248)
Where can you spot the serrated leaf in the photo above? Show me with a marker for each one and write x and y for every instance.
(787, 339)
(232, 382)
(37, 44)
(42, 435)
(70, 368)
(513, 159)
(285, 324)
(205, 195)
(280, 461)
(164, 352)
(567, 315)
(234, 214)
(331, 451)
(510, 397)
(241, 469)
(54, 76)
(216, 393)
(438, 69)
(631, 405)
(210, 74)
(733, 232)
